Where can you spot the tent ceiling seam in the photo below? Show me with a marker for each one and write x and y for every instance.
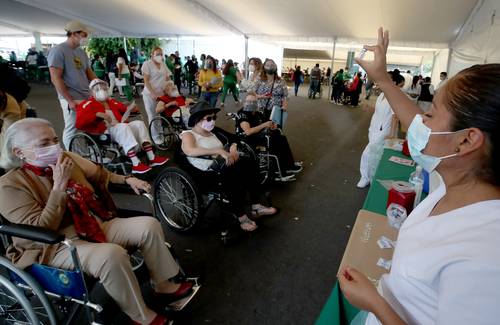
(215, 17)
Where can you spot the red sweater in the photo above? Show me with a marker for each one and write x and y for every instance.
(86, 119)
(180, 101)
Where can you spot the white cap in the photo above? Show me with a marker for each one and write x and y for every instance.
(97, 81)
(77, 26)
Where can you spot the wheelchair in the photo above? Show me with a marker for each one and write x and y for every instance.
(181, 202)
(169, 125)
(269, 165)
(100, 149)
(42, 294)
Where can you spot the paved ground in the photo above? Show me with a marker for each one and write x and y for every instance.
(284, 272)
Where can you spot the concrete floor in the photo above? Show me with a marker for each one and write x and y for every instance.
(284, 272)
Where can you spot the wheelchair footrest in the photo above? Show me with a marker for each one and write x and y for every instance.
(180, 304)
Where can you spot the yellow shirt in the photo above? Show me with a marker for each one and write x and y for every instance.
(10, 114)
(213, 78)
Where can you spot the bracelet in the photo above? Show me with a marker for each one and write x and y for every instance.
(125, 179)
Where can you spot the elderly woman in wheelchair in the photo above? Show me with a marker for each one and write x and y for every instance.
(101, 114)
(237, 177)
(260, 133)
(173, 113)
(62, 192)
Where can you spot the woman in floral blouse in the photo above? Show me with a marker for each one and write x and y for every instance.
(270, 89)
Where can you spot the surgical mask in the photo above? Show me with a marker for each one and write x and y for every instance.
(418, 136)
(84, 41)
(45, 156)
(270, 69)
(158, 58)
(251, 68)
(207, 125)
(209, 65)
(250, 107)
(174, 93)
(101, 95)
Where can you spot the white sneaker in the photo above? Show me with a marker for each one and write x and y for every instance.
(363, 182)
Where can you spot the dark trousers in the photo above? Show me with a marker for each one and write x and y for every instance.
(297, 85)
(235, 182)
(278, 146)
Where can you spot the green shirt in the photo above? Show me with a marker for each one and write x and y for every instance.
(170, 64)
(231, 77)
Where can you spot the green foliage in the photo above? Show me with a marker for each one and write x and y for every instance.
(102, 46)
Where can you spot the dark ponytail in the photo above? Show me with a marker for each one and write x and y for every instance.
(473, 98)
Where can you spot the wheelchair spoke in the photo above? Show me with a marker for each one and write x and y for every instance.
(178, 202)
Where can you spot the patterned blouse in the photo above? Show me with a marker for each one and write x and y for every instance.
(280, 92)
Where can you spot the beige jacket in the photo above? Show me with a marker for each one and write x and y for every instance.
(31, 200)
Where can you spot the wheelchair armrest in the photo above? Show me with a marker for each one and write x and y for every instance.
(34, 233)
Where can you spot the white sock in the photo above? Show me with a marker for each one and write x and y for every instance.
(133, 157)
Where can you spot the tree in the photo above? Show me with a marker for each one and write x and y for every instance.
(102, 46)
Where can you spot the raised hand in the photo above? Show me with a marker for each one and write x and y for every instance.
(377, 69)
(61, 172)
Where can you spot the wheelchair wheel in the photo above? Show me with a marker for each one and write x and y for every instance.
(15, 307)
(86, 147)
(166, 133)
(177, 199)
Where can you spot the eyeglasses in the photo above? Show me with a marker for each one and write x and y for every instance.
(210, 118)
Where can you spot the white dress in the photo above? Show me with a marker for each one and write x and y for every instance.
(446, 268)
(380, 127)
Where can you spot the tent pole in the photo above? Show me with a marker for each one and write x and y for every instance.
(246, 57)
(38, 41)
(331, 67)
(125, 44)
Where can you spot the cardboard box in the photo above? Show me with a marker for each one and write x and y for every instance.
(362, 251)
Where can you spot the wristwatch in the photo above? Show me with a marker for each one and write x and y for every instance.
(125, 179)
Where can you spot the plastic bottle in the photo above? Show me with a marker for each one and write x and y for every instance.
(417, 181)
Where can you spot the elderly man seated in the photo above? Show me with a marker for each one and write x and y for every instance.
(101, 114)
(252, 123)
(173, 104)
(61, 191)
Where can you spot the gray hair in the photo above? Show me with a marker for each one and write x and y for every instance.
(17, 136)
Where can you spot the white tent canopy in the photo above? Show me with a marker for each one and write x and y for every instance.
(419, 29)
(435, 21)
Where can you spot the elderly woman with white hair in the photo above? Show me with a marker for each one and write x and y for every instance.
(61, 191)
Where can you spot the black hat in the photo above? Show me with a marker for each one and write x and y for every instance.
(201, 108)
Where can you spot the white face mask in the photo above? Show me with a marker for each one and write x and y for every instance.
(101, 95)
(251, 68)
(418, 137)
(207, 126)
(45, 156)
(174, 93)
(84, 41)
(158, 58)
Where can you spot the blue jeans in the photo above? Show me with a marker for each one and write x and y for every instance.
(297, 85)
(210, 97)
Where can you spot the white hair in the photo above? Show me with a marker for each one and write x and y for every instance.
(18, 135)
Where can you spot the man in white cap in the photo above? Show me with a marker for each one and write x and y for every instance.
(70, 72)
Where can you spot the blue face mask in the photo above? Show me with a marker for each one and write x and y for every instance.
(418, 136)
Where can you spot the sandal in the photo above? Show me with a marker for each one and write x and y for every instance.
(258, 210)
(246, 224)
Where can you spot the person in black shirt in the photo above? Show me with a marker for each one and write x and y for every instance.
(253, 123)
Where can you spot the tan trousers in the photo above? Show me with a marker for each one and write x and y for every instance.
(110, 262)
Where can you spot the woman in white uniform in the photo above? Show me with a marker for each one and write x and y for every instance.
(446, 265)
(156, 74)
(382, 126)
